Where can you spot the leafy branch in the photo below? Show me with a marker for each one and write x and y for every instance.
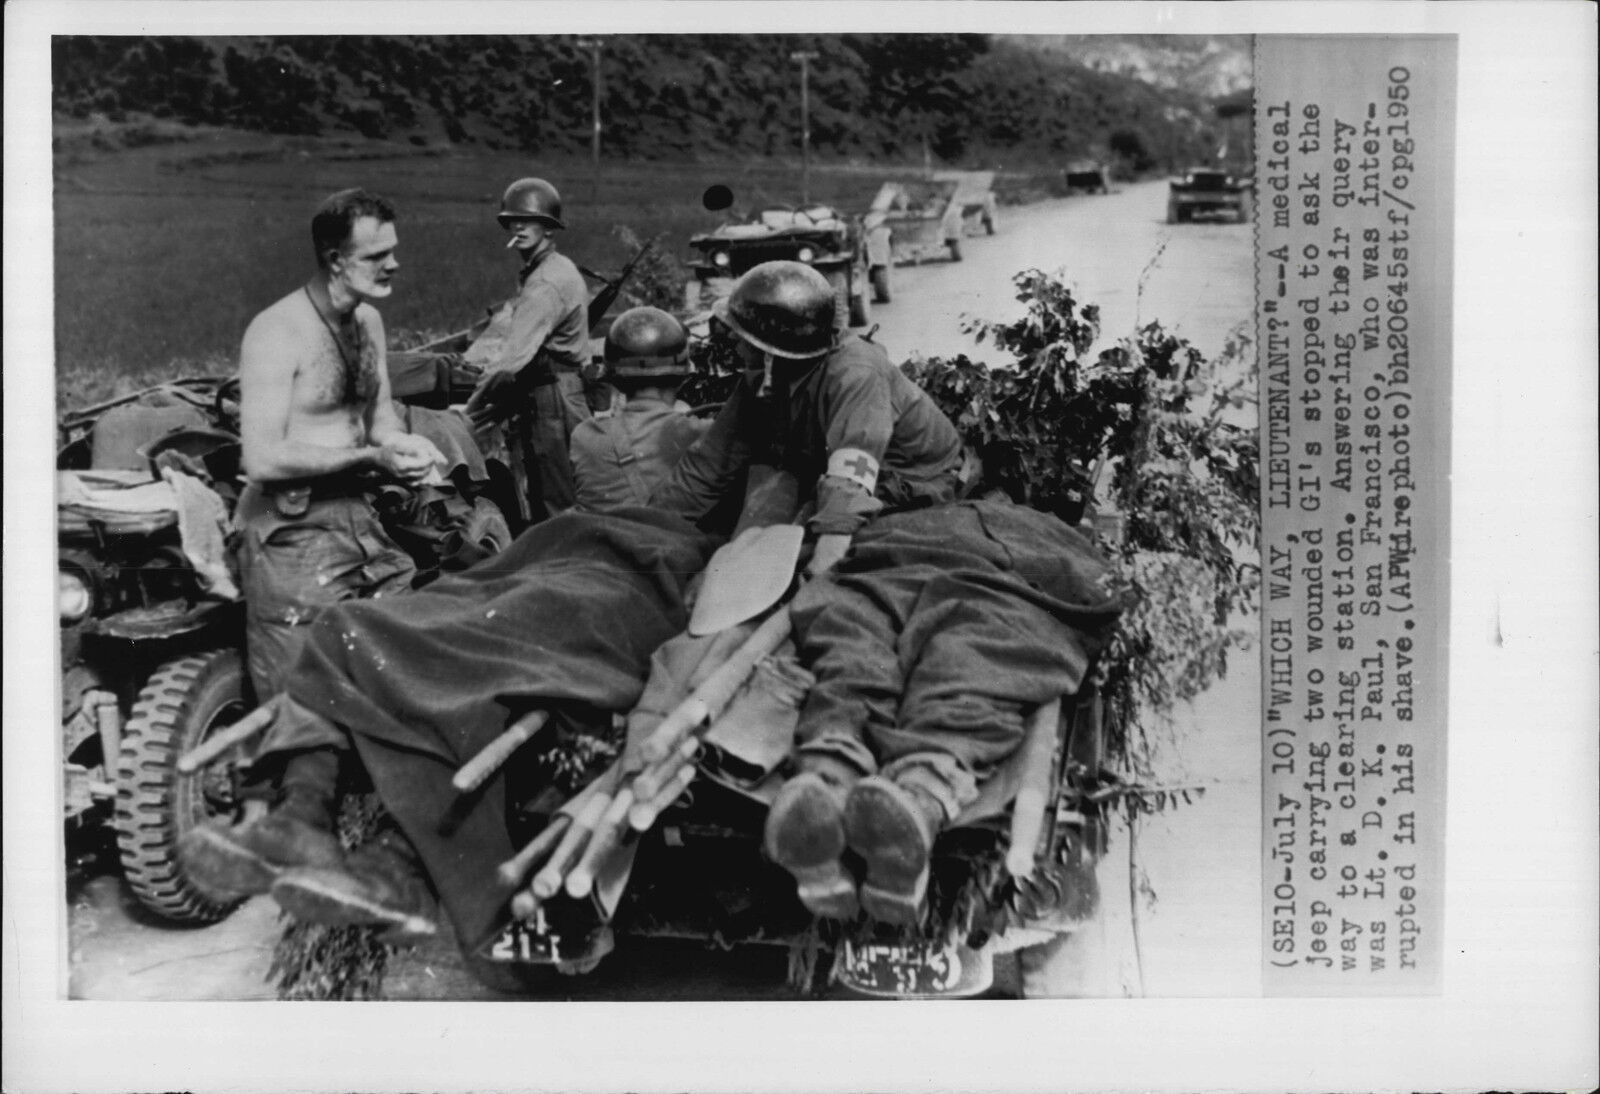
(1183, 483)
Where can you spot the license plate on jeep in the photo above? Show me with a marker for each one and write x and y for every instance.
(913, 971)
(522, 943)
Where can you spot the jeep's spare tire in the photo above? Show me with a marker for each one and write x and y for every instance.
(186, 701)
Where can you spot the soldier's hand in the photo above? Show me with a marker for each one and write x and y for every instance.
(489, 402)
(410, 458)
(830, 548)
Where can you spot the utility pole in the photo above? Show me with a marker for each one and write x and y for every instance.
(593, 46)
(805, 57)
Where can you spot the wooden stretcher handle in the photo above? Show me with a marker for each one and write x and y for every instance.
(513, 870)
(547, 882)
(1036, 791)
(607, 837)
(477, 770)
(647, 784)
(524, 905)
(642, 816)
(242, 730)
(717, 690)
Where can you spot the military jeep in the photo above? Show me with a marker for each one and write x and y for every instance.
(817, 235)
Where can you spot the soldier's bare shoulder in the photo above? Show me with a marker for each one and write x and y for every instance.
(289, 323)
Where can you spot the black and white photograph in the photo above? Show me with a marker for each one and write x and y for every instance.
(683, 546)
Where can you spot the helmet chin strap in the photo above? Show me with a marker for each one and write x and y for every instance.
(765, 391)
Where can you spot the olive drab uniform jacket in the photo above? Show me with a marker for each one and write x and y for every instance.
(621, 456)
(546, 327)
(853, 429)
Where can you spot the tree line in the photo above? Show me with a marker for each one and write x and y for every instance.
(956, 98)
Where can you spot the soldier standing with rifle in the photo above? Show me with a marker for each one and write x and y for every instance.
(530, 356)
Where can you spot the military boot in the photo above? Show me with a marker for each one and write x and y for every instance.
(234, 860)
(379, 884)
(805, 835)
(892, 827)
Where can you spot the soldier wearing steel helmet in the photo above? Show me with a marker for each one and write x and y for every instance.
(835, 413)
(622, 454)
(858, 436)
(530, 356)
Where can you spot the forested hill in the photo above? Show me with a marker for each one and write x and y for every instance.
(974, 99)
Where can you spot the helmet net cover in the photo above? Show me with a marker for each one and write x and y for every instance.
(783, 308)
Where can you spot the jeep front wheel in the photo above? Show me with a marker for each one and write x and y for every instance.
(186, 701)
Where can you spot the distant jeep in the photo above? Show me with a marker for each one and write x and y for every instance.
(1089, 176)
(815, 234)
(1208, 192)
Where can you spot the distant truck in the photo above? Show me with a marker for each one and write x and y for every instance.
(814, 234)
(1208, 192)
(1090, 176)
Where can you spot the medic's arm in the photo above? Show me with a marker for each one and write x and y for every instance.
(858, 421)
(705, 472)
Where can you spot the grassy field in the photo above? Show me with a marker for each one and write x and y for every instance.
(164, 252)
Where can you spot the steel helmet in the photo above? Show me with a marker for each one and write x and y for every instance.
(531, 199)
(646, 343)
(785, 308)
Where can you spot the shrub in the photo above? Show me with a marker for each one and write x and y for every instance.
(1183, 478)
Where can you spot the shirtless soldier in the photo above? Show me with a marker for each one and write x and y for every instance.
(316, 421)
(317, 426)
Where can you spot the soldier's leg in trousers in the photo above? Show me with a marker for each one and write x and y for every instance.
(548, 431)
(293, 571)
(980, 657)
(845, 633)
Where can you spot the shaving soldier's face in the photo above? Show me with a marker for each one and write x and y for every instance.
(366, 264)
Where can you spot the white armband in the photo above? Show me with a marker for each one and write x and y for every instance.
(854, 465)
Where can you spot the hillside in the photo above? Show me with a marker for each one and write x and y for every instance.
(967, 99)
(1209, 66)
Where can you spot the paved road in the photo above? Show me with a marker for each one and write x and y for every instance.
(1199, 933)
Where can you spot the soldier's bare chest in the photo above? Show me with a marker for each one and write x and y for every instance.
(341, 367)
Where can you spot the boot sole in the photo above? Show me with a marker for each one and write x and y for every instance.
(220, 866)
(316, 895)
(805, 835)
(882, 827)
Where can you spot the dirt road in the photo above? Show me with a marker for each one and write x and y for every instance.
(1199, 933)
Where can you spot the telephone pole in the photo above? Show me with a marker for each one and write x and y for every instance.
(593, 45)
(805, 57)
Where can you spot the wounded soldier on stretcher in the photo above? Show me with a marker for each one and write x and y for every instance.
(922, 651)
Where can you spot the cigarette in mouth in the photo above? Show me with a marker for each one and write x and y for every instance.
(510, 243)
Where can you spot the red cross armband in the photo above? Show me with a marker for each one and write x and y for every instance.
(854, 465)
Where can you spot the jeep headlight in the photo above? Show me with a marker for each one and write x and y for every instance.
(721, 259)
(806, 254)
(74, 599)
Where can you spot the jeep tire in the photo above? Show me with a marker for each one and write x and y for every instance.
(185, 701)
